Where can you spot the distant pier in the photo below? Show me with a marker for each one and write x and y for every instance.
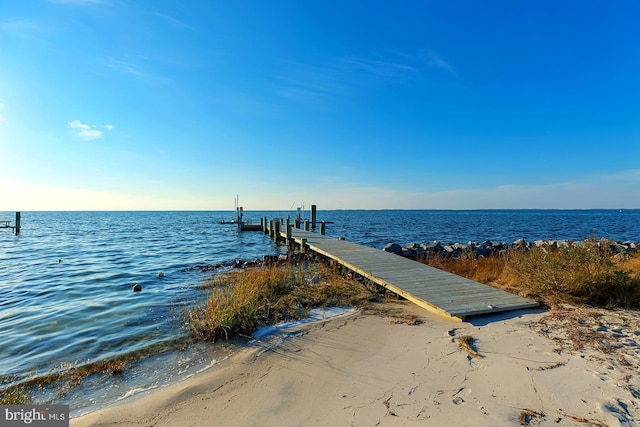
(15, 227)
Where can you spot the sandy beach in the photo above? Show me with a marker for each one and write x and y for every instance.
(395, 364)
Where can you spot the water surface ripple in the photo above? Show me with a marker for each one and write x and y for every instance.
(65, 281)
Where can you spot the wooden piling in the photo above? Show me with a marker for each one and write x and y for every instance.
(17, 229)
(277, 232)
(306, 226)
(322, 228)
(313, 217)
(239, 213)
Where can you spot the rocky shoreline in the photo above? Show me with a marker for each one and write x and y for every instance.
(417, 251)
(489, 248)
(280, 259)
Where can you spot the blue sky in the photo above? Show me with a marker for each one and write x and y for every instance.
(123, 104)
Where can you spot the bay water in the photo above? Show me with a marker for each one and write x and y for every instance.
(66, 280)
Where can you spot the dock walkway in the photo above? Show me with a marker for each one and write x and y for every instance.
(431, 288)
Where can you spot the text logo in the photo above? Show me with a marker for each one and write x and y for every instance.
(34, 415)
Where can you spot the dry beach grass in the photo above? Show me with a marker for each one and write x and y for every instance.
(237, 302)
(586, 272)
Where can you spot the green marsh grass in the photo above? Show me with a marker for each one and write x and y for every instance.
(64, 377)
(14, 394)
(68, 375)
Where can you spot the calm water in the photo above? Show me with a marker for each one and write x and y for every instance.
(65, 281)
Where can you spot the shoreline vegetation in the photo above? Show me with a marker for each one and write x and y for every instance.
(589, 274)
(238, 302)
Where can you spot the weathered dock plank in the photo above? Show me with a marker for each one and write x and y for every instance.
(433, 289)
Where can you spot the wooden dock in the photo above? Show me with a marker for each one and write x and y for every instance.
(431, 288)
(7, 224)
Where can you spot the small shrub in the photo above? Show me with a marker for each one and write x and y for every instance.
(582, 273)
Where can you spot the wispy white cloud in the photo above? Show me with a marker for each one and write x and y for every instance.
(88, 132)
(78, 2)
(22, 29)
(124, 67)
(133, 69)
(244, 103)
(343, 76)
(383, 68)
(397, 64)
(311, 91)
(174, 22)
(433, 59)
(319, 84)
(316, 85)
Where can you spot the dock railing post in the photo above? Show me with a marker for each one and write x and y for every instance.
(313, 217)
(303, 245)
(306, 226)
(17, 222)
(322, 228)
(297, 223)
